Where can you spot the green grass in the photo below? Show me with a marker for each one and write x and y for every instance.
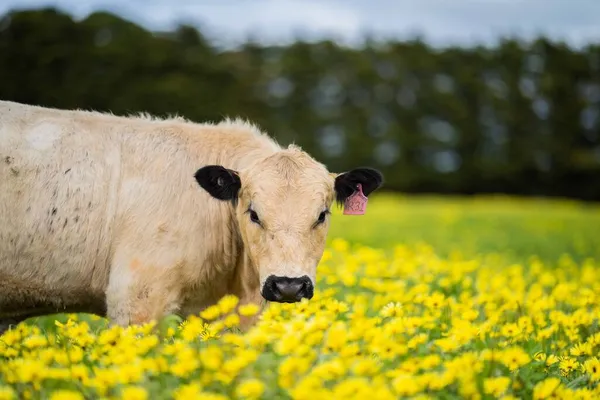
(516, 228)
(512, 229)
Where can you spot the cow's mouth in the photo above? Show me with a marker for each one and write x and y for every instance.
(281, 289)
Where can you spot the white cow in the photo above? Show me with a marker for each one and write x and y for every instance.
(137, 217)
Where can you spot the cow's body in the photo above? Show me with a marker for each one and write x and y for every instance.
(107, 215)
(85, 194)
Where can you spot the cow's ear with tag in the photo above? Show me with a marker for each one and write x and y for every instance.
(220, 182)
(364, 179)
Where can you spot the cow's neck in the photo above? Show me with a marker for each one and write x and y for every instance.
(243, 276)
(245, 284)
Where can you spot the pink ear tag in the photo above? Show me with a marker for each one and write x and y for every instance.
(356, 203)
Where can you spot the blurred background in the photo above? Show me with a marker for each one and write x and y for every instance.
(460, 96)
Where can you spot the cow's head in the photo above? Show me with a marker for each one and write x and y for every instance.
(282, 204)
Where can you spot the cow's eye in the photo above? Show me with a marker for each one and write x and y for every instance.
(254, 217)
(322, 217)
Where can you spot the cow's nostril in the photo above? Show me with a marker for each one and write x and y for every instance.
(289, 290)
(307, 290)
(301, 290)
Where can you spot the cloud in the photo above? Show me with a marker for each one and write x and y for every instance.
(441, 22)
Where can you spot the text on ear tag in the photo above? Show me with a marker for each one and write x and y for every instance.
(356, 203)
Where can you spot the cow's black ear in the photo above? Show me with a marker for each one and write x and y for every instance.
(346, 182)
(221, 183)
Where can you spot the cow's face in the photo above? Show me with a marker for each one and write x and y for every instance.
(282, 204)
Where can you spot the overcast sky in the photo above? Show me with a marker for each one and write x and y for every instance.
(441, 22)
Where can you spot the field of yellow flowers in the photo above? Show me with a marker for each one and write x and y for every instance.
(422, 298)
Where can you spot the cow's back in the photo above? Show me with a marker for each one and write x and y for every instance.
(58, 170)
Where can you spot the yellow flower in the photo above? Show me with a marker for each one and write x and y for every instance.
(447, 344)
(187, 361)
(187, 392)
(406, 385)
(211, 313)
(232, 339)
(70, 322)
(75, 355)
(292, 367)
(568, 365)
(287, 344)
(430, 361)
(195, 328)
(35, 341)
(337, 336)
(110, 336)
(414, 324)
(592, 367)
(435, 301)
(330, 370)
(594, 340)
(496, 386)
(7, 393)
(583, 394)
(210, 396)
(392, 310)
(551, 359)
(248, 310)
(250, 389)
(211, 357)
(511, 330)
(336, 306)
(514, 358)
(132, 372)
(66, 395)
(11, 337)
(366, 367)
(231, 320)
(134, 393)
(417, 340)
(468, 389)
(258, 338)
(227, 303)
(212, 331)
(354, 387)
(581, 349)
(544, 389)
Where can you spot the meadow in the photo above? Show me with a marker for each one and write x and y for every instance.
(422, 298)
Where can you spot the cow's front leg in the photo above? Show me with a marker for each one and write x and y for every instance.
(138, 293)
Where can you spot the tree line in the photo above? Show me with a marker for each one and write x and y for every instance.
(518, 118)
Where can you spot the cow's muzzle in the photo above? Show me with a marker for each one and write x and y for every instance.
(282, 289)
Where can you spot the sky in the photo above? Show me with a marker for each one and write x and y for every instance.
(440, 22)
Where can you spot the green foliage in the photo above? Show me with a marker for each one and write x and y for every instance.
(517, 118)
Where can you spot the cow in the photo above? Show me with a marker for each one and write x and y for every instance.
(136, 217)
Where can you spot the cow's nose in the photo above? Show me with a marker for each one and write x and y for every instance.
(282, 289)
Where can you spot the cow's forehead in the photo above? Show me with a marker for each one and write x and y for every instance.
(288, 173)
